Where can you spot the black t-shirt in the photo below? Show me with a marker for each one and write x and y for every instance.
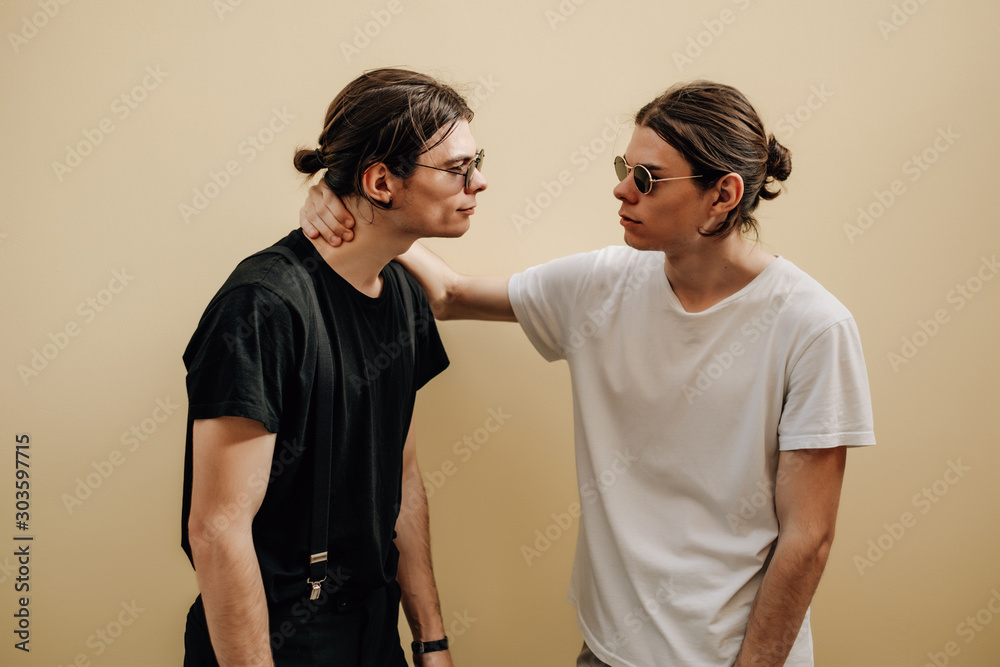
(253, 355)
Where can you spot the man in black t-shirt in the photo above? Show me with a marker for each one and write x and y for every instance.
(254, 402)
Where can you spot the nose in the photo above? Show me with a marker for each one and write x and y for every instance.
(478, 182)
(625, 190)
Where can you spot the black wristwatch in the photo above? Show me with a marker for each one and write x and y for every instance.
(419, 648)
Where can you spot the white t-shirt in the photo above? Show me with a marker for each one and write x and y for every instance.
(678, 419)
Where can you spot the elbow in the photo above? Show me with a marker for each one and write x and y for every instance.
(824, 544)
(442, 309)
(212, 534)
(203, 539)
(448, 304)
(810, 548)
(817, 546)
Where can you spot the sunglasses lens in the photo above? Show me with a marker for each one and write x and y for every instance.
(643, 179)
(621, 169)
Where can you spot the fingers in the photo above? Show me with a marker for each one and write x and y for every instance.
(325, 215)
(304, 223)
(307, 214)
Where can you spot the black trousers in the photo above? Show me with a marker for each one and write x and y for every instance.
(359, 630)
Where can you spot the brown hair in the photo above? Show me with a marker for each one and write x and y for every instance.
(385, 115)
(718, 132)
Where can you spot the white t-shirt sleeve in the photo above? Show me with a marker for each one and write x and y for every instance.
(543, 298)
(828, 403)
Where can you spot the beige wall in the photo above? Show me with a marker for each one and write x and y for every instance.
(162, 95)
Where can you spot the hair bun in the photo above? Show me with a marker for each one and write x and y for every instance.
(779, 160)
(307, 161)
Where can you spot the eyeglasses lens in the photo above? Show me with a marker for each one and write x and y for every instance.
(477, 163)
(621, 169)
(643, 179)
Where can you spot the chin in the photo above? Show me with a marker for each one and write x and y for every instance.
(455, 230)
(636, 244)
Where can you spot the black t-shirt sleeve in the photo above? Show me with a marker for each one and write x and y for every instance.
(241, 360)
(431, 356)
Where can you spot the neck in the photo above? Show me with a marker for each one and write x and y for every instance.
(360, 261)
(707, 272)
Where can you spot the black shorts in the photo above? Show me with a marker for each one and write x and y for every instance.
(359, 630)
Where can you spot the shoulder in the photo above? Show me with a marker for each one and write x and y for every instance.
(611, 258)
(807, 316)
(267, 276)
(803, 296)
(405, 280)
(607, 265)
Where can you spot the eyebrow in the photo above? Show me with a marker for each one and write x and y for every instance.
(457, 160)
(651, 167)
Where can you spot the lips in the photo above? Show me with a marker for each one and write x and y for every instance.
(628, 219)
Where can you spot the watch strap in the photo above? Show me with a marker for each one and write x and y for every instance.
(419, 648)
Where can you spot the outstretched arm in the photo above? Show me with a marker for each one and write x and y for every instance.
(452, 296)
(806, 506)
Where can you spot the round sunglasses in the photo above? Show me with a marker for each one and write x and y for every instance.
(477, 163)
(640, 174)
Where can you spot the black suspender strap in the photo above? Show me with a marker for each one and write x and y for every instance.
(323, 424)
(323, 429)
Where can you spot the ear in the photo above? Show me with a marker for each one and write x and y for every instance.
(379, 183)
(728, 192)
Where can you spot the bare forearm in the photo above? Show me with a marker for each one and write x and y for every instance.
(781, 603)
(454, 296)
(416, 574)
(235, 605)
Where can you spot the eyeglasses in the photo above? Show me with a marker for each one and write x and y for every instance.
(643, 179)
(477, 163)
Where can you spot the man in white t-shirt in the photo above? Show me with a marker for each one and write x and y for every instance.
(729, 380)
